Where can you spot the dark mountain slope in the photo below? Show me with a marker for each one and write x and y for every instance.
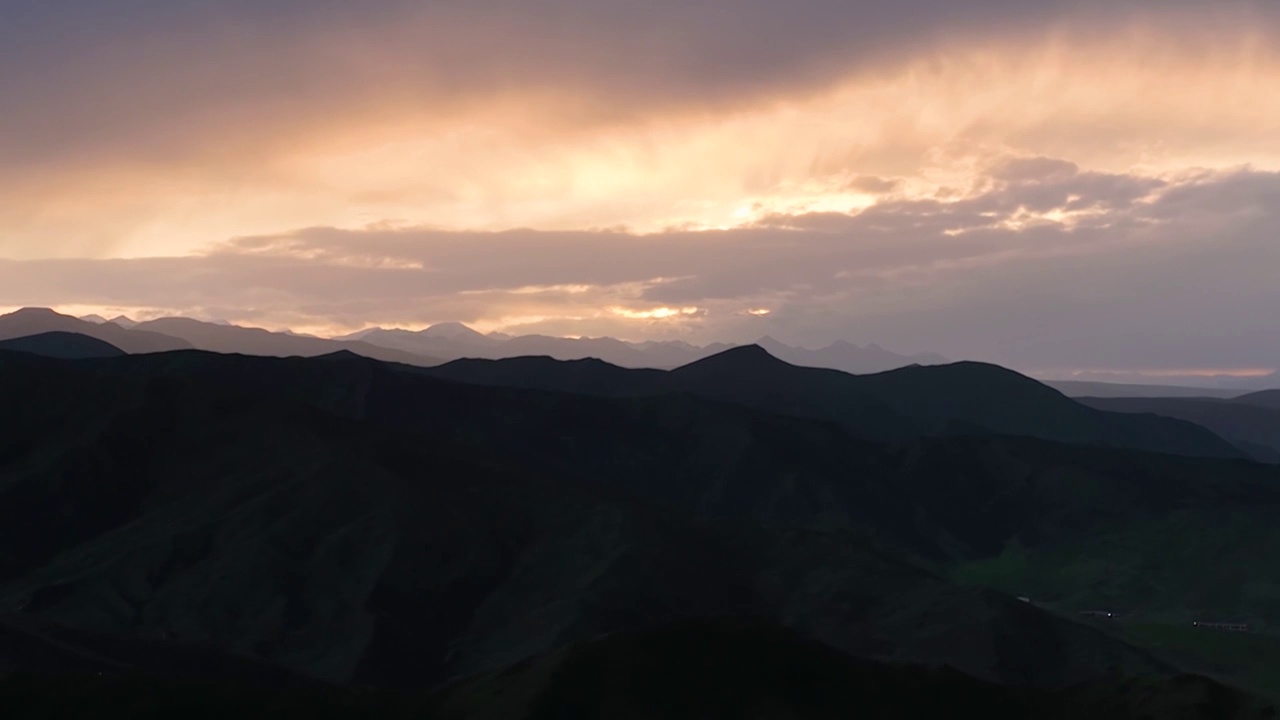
(35, 321)
(1252, 425)
(64, 345)
(588, 377)
(1266, 398)
(748, 668)
(1004, 402)
(355, 521)
(256, 341)
(963, 398)
(718, 668)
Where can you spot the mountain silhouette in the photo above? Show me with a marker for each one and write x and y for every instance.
(65, 345)
(1248, 423)
(966, 398)
(844, 355)
(457, 341)
(216, 337)
(1265, 398)
(36, 321)
(742, 359)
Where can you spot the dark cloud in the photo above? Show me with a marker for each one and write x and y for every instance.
(158, 77)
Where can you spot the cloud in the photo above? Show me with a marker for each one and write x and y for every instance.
(159, 127)
(1167, 272)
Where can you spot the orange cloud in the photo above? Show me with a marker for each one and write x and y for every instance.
(382, 132)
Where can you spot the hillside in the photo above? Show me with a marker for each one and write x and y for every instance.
(360, 523)
(1266, 398)
(1248, 422)
(64, 345)
(357, 522)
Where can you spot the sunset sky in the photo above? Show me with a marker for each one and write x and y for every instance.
(1048, 184)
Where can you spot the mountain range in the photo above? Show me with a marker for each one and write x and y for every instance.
(454, 340)
(450, 341)
(1251, 422)
(437, 344)
(895, 406)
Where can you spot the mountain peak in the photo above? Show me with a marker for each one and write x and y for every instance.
(343, 355)
(36, 312)
(452, 330)
(773, 346)
(740, 359)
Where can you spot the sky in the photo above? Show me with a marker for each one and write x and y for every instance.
(1054, 185)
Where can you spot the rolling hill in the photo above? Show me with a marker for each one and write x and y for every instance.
(1248, 422)
(64, 345)
(1265, 398)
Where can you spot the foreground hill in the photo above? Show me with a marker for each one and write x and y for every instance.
(37, 321)
(358, 522)
(696, 669)
(892, 406)
(64, 345)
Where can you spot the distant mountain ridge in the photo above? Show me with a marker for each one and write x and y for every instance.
(169, 334)
(894, 406)
(1251, 422)
(217, 337)
(443, 342)
(456, 340)
(1090, 389)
